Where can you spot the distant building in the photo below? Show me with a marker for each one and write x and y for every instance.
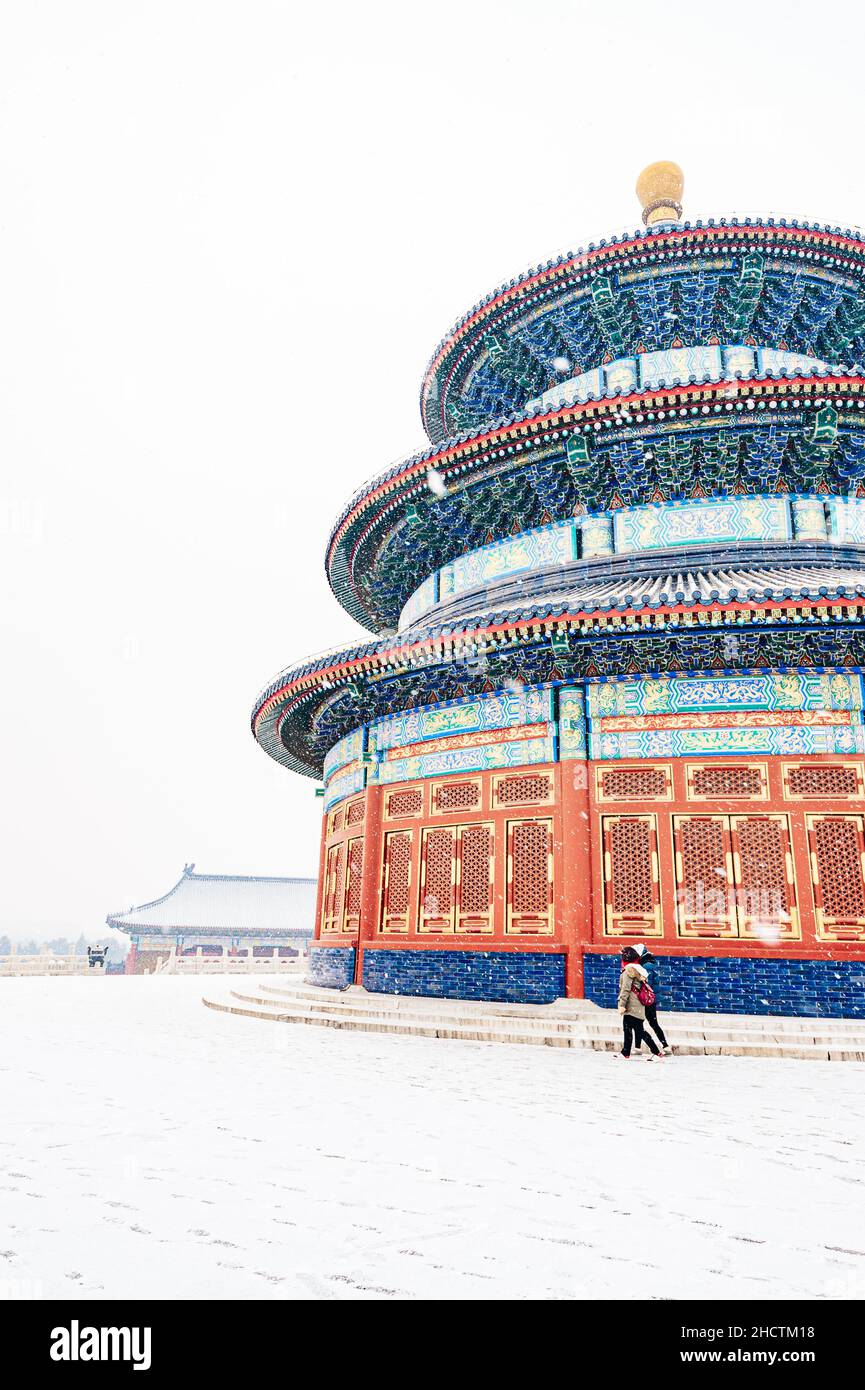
(220, 915)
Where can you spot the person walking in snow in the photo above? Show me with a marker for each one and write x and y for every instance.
(633, 982)
(650, 965)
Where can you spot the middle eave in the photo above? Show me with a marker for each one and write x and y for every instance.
(468, 462)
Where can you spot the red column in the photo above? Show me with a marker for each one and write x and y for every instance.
(575, 872)
(321, 863)
(370, 876)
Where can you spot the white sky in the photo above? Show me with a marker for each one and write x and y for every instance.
(230, 236)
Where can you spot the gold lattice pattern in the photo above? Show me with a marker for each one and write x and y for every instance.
(633, 784)
(458, 796)
(517, 791)
(475, 878)
(631, 866)
(766, 890)
(398, 870)
(530, 851)
(839, 866)
(335, 888)
(354, 813)
(355, 864)
(731, 780)
(438, 880)
(823, 780)
(405, 803)
(704, 869)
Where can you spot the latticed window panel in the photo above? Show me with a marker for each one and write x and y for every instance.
(523, 790)
(825, 781)
(705, 889)
(530, 877)
(456, 796)
(837, 845)
(334, 890)
(456, 884)
(438, 880)
(354, 812)
(408, 801)
(728, 781)
(336, 820)
(396, 887)
(634, 783)
(475, 878)
(734, 877)
(765, 896)
(354, 879)
(632, 901)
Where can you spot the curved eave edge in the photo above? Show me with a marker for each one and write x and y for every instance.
(615, 248)
(114, 919)
(300, 685)
(460, 452)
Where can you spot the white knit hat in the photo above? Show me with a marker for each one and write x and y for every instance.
(640, 948)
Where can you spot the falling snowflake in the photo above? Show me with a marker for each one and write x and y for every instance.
(436, 483)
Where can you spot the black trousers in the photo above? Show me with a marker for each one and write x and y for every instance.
(652, 1020)
(634, 1033)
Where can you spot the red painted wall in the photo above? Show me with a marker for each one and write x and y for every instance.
(586, 853)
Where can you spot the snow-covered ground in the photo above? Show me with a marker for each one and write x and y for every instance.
(152, 1148)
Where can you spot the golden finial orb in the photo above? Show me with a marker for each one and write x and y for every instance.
(659, 189)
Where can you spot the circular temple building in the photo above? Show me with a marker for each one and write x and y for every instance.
(615, 687)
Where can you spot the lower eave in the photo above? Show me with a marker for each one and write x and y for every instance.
(297, 688)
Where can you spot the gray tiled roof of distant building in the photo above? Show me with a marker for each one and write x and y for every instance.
(227, 901)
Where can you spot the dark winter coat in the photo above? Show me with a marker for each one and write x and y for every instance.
(651, 969)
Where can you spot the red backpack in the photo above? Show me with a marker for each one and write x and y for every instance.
(644, 993)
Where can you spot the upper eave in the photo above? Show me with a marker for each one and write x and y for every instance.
(846, 246)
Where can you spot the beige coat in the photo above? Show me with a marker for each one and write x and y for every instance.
(630, 980)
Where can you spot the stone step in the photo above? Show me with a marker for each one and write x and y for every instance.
(357, 999)
(605, 1028)
(366, 1008)
(396, 1002)
(284, 988)
(430, 1028)
(480, 1029)
(720, 1026)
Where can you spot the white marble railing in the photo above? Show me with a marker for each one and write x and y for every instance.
(47, 964)
(228, 965)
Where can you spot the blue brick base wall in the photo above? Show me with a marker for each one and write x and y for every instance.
(742, 985)
(521, 977)
(331, 966)
(695, 984)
